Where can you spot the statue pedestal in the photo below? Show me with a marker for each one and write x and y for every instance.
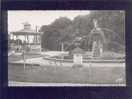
(97, 49)
(77, 59)
(77, 56)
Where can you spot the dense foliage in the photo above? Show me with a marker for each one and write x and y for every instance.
(65, 31)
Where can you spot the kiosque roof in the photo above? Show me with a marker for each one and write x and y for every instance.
(27, 30)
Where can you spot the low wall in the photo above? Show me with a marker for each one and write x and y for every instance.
(55, 60)
(87, 61)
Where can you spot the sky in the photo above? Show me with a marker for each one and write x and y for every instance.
(39, 18)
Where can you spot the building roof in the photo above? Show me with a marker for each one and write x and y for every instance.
(27, 30)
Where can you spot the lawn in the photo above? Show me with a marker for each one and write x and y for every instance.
(60, 74)
(12, 58)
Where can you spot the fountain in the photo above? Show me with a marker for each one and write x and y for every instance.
(97, 38)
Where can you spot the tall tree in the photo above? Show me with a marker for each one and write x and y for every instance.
(64, 30)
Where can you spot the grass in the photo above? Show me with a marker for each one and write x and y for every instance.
(54, 74)
(20, 57)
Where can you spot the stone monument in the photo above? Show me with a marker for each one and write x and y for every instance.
(77, 56)
(97, 44)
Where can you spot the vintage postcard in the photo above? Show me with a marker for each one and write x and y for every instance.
(66, 48)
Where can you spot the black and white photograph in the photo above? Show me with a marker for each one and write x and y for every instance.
(66, 48)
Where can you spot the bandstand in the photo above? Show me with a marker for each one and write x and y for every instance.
(29, 38)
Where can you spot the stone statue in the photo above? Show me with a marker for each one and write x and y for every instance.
(95, 23)
(96, 26)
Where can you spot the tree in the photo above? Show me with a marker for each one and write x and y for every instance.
(53, 35)
(64, 30)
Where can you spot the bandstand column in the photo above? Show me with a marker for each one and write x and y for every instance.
(13, 36)
(28, 41)
(62, 47)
